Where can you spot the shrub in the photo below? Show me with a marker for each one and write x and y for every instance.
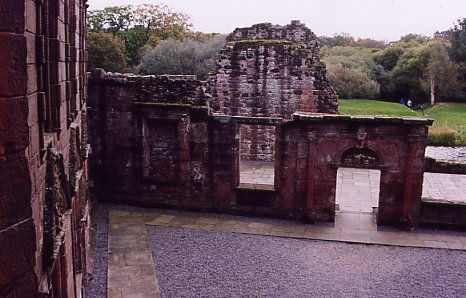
(182, 57)
(446, 136)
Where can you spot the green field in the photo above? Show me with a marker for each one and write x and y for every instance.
(453, 114)
(374, 107)
(449, 127)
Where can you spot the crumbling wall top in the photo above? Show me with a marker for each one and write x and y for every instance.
(295, 31)
(178, 89)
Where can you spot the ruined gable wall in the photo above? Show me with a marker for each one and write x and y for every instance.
(42, 106)
(272, 71)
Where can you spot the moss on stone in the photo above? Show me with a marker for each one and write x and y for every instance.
(266, 42)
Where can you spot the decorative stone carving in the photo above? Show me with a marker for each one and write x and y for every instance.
(361, 136)
(57, 201)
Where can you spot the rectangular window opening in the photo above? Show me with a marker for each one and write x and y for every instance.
(257, 156)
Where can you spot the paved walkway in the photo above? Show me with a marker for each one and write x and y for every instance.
(257, 174)
(444, 188)
(131, 271)
(357, 190)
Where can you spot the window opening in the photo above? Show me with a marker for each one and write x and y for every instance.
(257, 156)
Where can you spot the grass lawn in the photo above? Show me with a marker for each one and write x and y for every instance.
(453, 114)
(450, 118)
(374, 107)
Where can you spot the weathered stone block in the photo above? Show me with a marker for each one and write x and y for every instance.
(12, 14)
(15, 189)
(13, 73)
(14, 133)
(18, 257)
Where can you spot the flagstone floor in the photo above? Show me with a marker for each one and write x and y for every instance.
(131, 271)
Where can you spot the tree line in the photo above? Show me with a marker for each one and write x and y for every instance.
(149, 39)
(154, 39)
(421, 68)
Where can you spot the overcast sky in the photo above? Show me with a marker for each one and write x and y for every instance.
(378, 19)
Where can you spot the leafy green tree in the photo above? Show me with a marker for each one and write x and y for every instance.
(371, 43)
(352, 82)
(139, 26)
(353, 72)
(408, 73)
(388, 58)
(458, 42)
(457, 52)
(105, 51)
(440, 75)
(414, 38)
(182, 57)
(337, 40)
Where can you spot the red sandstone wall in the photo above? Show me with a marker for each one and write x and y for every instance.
(272, 71)
(257, 142)
(175, 154)
(42, 107)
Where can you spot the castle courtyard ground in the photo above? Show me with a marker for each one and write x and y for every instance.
(153, 252)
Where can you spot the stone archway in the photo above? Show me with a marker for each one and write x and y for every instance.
(359, 158)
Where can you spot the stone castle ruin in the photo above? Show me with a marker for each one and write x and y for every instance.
(174, 141)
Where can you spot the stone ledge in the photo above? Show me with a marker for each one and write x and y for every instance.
(372, 118)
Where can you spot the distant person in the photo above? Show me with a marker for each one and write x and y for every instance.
(409, 103)
(403, 101)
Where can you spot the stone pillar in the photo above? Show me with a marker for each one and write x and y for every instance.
(289, 172)
(183, 149)
(413, 181)
(310, 178)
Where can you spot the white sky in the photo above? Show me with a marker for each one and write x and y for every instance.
(378, 19)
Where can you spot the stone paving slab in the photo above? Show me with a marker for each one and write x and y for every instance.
(361, 186)
(444, 188)
(131, 271)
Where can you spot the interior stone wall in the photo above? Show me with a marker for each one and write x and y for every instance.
(43, 95)
(257, 142)
(309, 148)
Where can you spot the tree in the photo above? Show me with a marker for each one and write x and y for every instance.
(371, 43)
(388, 58)
(182, 57)
(352, 82)
(457, 52)
(139, 26)
(457, 38)
(105, 51)
(414, 38)
(409, 71)
(338, 40)
(354, 74)
(440, 76)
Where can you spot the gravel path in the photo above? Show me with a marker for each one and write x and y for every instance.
(193, 263)
(455, 154)
(97, 286)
